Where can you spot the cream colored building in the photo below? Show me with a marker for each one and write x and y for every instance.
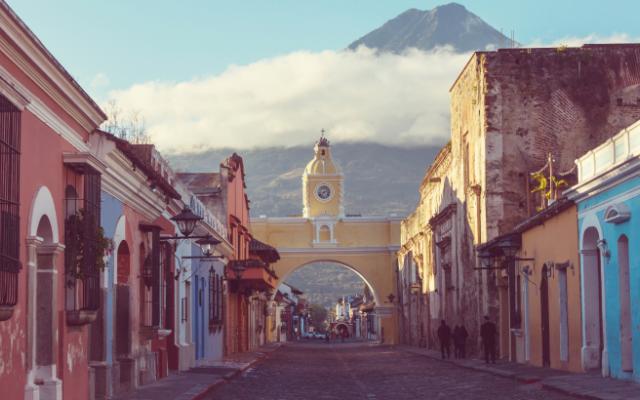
(366, 245)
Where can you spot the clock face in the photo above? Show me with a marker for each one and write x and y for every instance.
(323, 192)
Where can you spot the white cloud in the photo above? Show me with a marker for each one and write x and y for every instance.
(99, 80)
(286, 100)
(576, 41)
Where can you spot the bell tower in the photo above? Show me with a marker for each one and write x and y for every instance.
(322, 184)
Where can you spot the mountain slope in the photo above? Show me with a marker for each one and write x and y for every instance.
(451, 24)
(325, 283)
(379, 179)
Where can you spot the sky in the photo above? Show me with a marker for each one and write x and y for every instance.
(260, 72)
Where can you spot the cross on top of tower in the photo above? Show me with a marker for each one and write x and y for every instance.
(323, 140)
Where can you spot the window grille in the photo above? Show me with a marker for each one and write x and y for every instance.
(82, 233)
(152, 285)
(166, 283)
(184, 309)
(215, 299)
(9, 202)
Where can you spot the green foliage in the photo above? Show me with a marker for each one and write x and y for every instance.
(77, 244)
(318, 316)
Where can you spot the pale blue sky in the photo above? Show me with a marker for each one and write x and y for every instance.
(133, 41)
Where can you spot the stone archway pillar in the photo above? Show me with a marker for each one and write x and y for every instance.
(42, 336)
(386, 321)
(31, 391)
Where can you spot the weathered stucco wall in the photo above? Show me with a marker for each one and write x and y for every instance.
(541, 244)
(563, 101)
(510, 109)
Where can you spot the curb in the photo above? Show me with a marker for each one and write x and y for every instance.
(569, 392)
(231, 375)
(524, 378)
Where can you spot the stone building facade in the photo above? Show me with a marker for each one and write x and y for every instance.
(510, 109)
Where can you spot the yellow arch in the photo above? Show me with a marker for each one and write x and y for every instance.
(366, 245)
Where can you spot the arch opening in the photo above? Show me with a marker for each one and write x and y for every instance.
(340, 291)
(339, 264)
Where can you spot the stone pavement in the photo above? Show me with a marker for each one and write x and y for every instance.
(584, 386)
(197, 382)
(316, 370)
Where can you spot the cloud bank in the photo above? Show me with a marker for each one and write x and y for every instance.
(286, 100)
(400, 99)
(575, 41)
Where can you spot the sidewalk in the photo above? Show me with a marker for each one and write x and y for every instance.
(583, 386)
(197, 382)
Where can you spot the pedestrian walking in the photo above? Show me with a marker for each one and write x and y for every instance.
(444, 335)
(460, 336)
(488, 334)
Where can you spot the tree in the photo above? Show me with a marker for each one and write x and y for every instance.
(129, 125)
(318, 316)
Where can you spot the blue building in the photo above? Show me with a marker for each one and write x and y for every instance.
(608, 199)
(203, 285)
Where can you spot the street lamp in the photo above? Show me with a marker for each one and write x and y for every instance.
(186, 221)
(238, 269)
(207, 245)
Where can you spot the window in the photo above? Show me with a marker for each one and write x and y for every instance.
(517, 319)
(215, 299)
(83, 239)
(185, 305)
(467, 160)
(152, 282)
(9, 205)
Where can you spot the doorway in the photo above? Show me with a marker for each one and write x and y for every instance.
(123, 317)
(626, 333)
(544, 317)
(593, 338)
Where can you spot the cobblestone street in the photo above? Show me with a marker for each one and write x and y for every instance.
(360, 371)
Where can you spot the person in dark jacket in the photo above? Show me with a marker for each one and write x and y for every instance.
(460, 336)
(444, 335)
(488, 334)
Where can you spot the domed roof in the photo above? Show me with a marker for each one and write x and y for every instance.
(322, 163)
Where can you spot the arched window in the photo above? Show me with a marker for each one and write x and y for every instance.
(325, 234)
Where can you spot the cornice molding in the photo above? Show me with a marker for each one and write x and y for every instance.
(130, 187)
(10, 92)
(303, 220)
(339, 250)
(43, 113)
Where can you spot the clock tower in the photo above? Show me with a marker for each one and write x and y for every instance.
(322, 184)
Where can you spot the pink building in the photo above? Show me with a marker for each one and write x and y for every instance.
(46, 174)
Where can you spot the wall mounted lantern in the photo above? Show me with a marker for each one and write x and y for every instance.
(186, 221)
